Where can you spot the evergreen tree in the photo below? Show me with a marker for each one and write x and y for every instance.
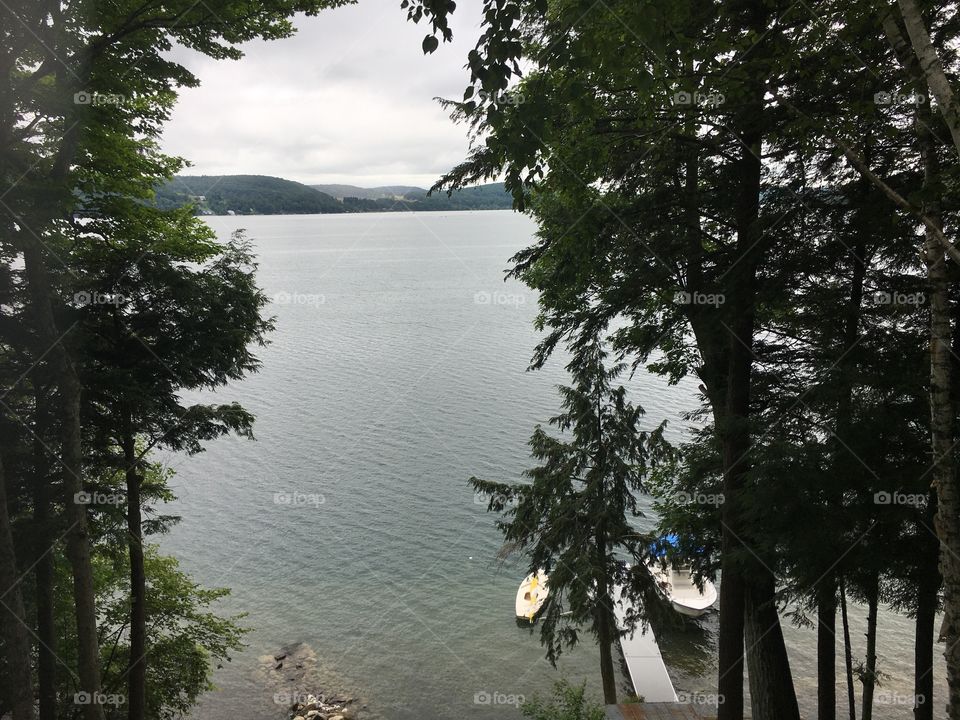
(575, 517)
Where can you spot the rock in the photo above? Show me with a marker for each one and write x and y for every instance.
(311, 714)
(278, 666)
(299, 717)
(311, 706)
(280, 657)
(338, 717)
(348, 714)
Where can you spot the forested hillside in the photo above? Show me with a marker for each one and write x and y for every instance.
(265, 195)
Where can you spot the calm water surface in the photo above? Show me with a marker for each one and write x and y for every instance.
(396, 372)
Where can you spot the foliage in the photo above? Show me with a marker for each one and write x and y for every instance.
(187, 638)
(568, 703)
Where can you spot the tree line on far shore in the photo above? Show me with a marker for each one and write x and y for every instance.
(264, 195)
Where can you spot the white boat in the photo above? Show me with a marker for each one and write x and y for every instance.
(682, 591)
(531, 595)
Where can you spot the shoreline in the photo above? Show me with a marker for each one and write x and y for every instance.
(293, 677)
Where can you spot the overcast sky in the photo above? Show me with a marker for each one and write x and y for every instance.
(348, 99)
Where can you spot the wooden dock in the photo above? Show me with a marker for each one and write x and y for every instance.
(652, 711)
(648, 674)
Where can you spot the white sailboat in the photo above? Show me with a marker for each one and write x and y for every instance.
(531, 595)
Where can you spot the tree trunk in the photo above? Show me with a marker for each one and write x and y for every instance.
(607, 675)
(923, 649)
(77, 537)
(137, 671)
(47, 637)
(771, 683)
(44, 568)
(848, 653)
(947, 522)
(16, 638)
(730, 637)
(827, 650)
(772, 696)
(869, 678)
(931, 67)
(735, 438)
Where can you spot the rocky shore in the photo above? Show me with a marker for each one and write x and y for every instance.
(302, 689)
(314, 708)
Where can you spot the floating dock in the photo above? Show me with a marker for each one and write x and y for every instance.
(648, 673)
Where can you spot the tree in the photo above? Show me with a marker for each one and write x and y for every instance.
(75, 79)
(574, 517)
(185, 316)
(671, 164)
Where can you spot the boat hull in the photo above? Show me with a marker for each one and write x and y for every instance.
(531, 595)
(685, 597)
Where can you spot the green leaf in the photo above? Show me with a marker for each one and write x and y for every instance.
(430, 43)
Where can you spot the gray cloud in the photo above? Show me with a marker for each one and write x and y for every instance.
(348, 99)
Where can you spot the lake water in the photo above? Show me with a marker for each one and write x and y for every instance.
(397, 371)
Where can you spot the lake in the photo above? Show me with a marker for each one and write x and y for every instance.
(396, 372)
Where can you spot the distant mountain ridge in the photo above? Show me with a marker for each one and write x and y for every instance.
(266, 195)
(374, 193)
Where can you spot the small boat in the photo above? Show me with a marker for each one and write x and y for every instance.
(531, 595)
(682, 591)
(677, 582)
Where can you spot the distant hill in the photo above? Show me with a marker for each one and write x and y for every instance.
(245, 195)
(376, 193)
(265, 195)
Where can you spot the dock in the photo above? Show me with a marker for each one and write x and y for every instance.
(651, 711)
(648, 673)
